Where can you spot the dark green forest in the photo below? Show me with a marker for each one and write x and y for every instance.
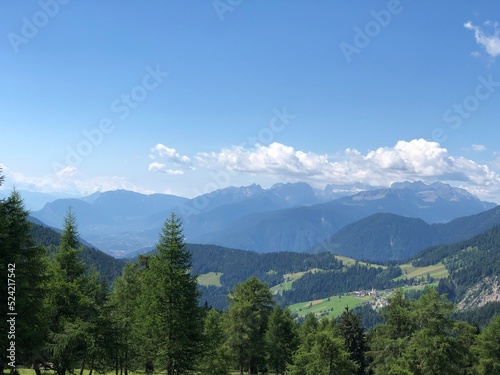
(72, 308)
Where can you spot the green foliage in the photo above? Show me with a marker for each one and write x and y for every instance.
(27, 285)
(169, 303)
(215, 359)
(419, 337)
(281, 340)
(488, 349)
(251, 304)
(322, 351)
(352, 331)
(74, 303)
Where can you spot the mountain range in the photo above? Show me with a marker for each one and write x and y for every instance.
(285, 217)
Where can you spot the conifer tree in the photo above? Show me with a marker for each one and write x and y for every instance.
(281, 339)
(351, 328)
(75, 300)
(251, 304)
(215, 359)
(488, 349)
(26, 287)
(172, 318)
(322, 351)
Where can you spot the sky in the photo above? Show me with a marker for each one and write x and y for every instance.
(185, 97)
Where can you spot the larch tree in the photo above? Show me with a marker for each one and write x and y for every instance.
(251, 304)
(281, 339)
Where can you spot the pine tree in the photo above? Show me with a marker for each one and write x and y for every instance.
(173, 319)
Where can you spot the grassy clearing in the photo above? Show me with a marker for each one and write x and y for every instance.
(211, 278)
(349, 262)
(437, 271)
(331, 307)
(334, 306)
(290, 278)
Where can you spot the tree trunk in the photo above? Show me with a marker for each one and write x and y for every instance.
(83, 364)
(36, 367)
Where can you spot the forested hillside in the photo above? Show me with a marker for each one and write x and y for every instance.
(473, 265)
(385, 236)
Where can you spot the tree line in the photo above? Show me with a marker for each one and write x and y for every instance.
(152, 320)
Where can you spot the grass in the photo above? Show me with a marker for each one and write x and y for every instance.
(211, 278)
(331, 307)
(349, 262)
(437, 271)
(290, 278)
(334, 306)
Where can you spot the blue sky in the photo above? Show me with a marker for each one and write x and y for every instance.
(185, 97)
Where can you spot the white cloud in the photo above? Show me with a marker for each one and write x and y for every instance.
(490, 42)
(68, 172)
(70, 181)
(414, 160)
(162, 168)
(479, 148)
(170, 155)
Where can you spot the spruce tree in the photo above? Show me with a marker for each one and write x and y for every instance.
(351, 328)
(75, 301)
(172, 318)
(26, 264)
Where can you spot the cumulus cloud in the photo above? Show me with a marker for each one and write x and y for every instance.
(489, 41)
(162, 168)
(479, 148)
(418, 159)
(170, 156)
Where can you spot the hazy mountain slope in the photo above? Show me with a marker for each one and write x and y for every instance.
(299, 228)
(382, 237)
(108, 267)
(285, 217)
